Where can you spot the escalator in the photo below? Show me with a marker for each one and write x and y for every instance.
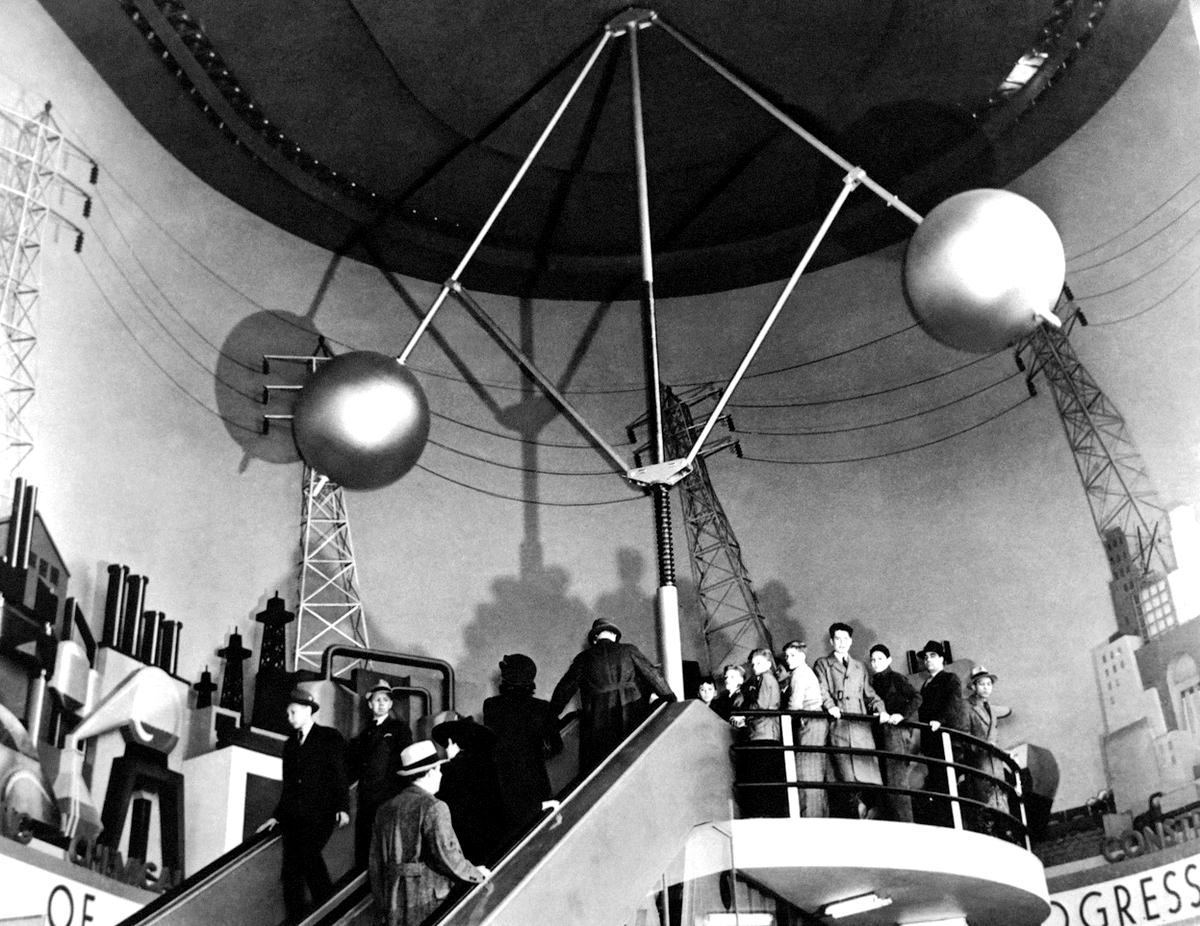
(669, 775)
(241, 886)
(627, 818)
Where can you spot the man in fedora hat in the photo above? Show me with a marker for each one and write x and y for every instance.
(941, 706)
(981, 724)
(314, 800)
(526, 735)
(415, 856)
(373, 757)
(614, 681)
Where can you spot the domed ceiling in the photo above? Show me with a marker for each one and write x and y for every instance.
(390, 130)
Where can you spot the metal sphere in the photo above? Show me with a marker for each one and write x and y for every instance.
(362, 420)
(983, 269)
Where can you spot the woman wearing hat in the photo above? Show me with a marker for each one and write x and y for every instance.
(469, 785)
(615, 681)
(373, 757)
(526, 735)
(415, 857)
(982, 725)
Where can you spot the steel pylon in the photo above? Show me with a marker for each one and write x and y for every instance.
(35, 162)
(1132, 525)
(331, 610)
(733, 622)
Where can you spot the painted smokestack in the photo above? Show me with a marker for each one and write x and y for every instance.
(12, 542)
(114, 605)
(135, 597)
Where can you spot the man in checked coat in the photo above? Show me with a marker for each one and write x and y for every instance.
(846, 689)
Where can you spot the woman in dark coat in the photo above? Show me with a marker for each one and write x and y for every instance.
(526, 735)
(615, 681)
(470, 786)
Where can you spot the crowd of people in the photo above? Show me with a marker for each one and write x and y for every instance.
(437, 812)
(440, 811)
(859, 706)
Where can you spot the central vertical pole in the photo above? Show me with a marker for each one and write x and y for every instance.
(666, 600)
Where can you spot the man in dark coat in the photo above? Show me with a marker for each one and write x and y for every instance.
(373, 757)
(470, 787)
(941, 706)
(315, 799)
(415, 857)
(901, 704)
(526, 735)
(615, 681)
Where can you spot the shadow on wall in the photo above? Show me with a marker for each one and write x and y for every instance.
(533, 613)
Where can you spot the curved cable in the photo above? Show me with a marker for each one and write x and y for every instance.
(893, 453)
(527, 501)
(149, 356)
(846, 429)
(865, 395)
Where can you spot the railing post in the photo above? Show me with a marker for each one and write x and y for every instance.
(952, 781)
(1021, 807)
(789, 765)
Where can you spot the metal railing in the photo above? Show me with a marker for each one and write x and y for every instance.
(950, 794)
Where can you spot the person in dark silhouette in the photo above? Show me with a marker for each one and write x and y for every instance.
(614, 681)
(415, 857)
(315, 799)
(373, 757)
(470, 787)
(526, 736)
(941, 706)
(901, 703)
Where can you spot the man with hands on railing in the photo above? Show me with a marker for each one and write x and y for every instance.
(846, 689)
(315, 799)
(941, 706)
(804, 694)
(901, 702)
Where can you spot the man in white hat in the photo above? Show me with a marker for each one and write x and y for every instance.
(314, 800)
(373, 757)
(415, 856)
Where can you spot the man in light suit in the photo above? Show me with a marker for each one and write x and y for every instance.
(846, 689)
(315, 800)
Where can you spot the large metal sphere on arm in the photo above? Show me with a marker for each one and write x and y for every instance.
(361, 420)
(984, 269)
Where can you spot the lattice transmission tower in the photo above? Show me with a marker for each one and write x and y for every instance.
(330, 610)
(36, 164)
(1131, 523)
(734, 624)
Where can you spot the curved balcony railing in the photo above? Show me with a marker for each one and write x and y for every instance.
(957, 788)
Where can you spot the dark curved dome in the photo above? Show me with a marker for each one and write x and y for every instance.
(389, 131)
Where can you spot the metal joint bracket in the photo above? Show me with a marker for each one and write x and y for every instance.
(629, 20)
(666, 473)
(856, 176)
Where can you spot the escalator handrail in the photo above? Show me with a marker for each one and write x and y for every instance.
(210, 873)
(551, 818)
